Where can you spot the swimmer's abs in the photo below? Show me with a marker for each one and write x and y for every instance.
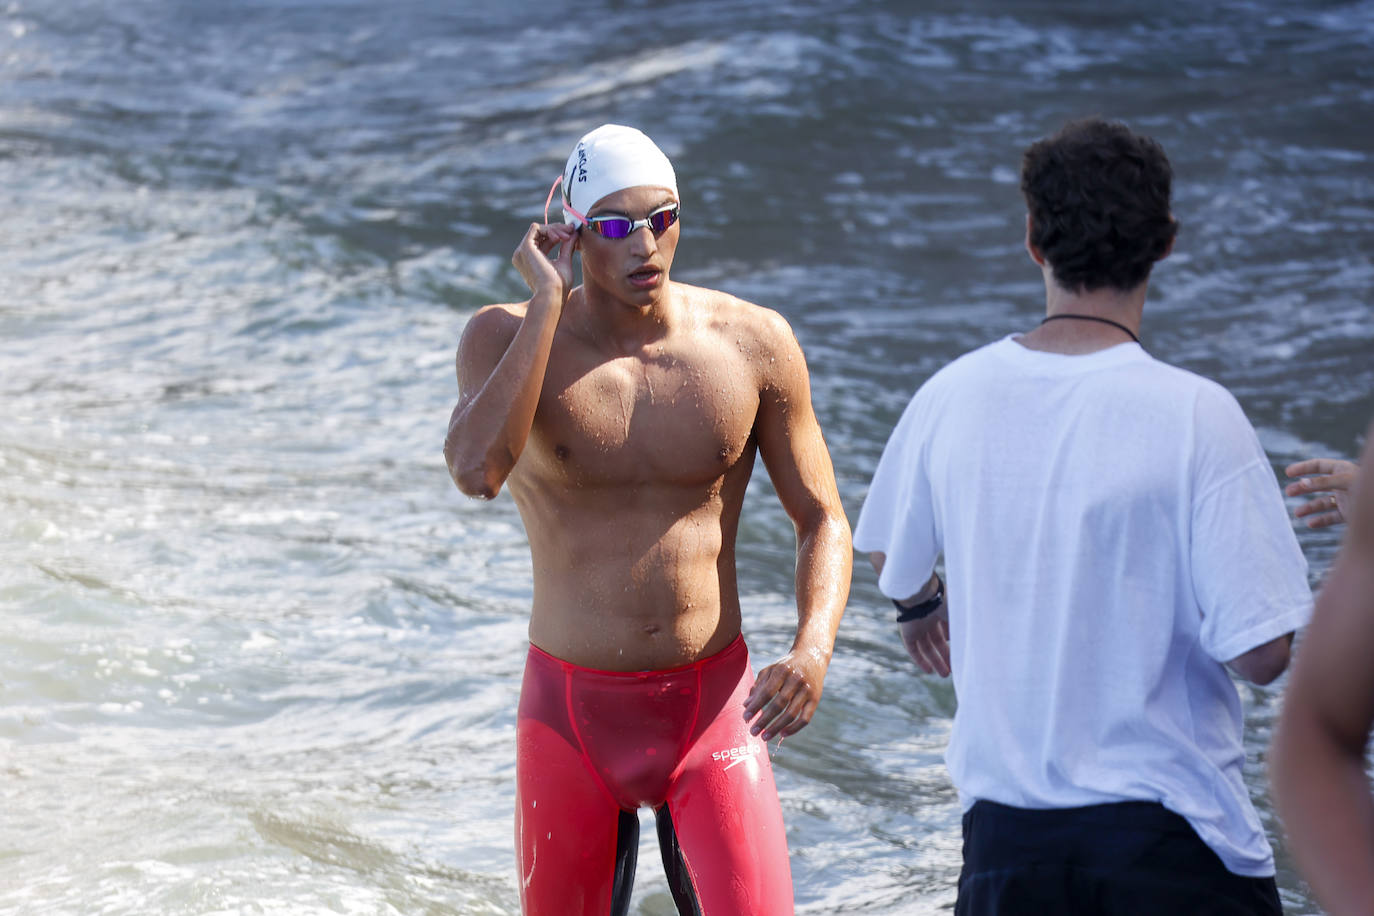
(626, 564)
(633, 631)
(645, 583)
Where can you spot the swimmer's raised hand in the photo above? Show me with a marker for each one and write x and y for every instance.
(1330, 479)
(543, 271)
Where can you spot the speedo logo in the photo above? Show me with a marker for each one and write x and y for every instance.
(737, 755)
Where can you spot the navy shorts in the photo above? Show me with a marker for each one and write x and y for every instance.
(1125, 858)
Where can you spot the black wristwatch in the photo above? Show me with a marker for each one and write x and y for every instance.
(925, 608)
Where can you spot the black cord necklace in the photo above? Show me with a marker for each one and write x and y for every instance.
(1115, 324)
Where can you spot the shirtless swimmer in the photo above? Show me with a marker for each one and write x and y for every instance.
(625, 415)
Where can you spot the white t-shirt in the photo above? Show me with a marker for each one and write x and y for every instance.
(1113, 533)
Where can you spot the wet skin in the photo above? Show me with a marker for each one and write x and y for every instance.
(625, 415)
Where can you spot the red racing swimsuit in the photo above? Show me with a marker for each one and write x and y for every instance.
(592, 747)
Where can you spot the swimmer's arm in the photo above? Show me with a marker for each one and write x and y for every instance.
(501, 362)
(1318, 758)
(793, 450)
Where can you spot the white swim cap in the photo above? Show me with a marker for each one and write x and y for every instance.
(609, 159)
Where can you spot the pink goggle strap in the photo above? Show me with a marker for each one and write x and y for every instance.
(566, 206)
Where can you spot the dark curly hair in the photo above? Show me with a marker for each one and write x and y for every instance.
(1098, 197)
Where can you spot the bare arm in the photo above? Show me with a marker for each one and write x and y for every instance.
(1263, 664)
(790, 442)
(1318, 761)
(501, 367)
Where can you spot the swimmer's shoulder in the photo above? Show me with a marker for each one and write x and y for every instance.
(762, 335)
(492, 327)
(726, 313)
(499, 320)
(487, 336)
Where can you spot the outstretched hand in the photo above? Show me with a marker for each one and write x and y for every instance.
(927, 641)
(784, 698)
(534, 258)
(1330, 479)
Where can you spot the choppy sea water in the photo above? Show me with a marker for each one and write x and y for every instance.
(258, 656)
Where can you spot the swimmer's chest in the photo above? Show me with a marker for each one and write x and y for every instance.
(643, 420)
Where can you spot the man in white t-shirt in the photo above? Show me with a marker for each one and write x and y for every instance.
(1114, 540)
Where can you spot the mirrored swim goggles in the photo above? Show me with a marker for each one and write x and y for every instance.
(619, 227)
